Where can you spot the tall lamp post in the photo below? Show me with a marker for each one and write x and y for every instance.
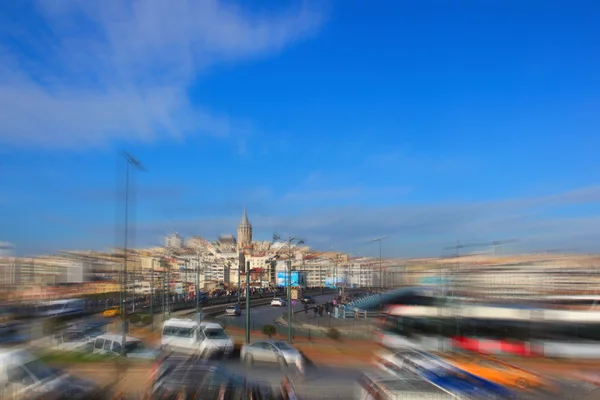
(130, 162)
(152, 294)
(296, 242)
(379, 239)
(197, 286)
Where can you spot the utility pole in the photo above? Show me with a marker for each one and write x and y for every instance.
(198, 286)
(379, 239)
(321, 277)
(164, 288)
(239, 291)
(247, 302)
(152, 295)
(129, 161)
(289, 243)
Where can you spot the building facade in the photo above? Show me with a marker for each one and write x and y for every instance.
(174, 241)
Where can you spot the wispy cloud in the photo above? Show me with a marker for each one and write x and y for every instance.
(96, 71)
(418, 230)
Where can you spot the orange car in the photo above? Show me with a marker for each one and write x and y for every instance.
(500, 372)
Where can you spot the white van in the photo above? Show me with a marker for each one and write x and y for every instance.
(180, 335)
(111, 344)
(214, 340)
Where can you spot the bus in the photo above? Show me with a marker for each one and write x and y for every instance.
(60, 308)
(492, 329)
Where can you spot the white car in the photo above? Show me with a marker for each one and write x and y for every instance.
(272, 351)
(214, 341)
(278, 302)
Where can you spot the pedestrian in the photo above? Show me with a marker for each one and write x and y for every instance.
(316, 310)
(305, 309)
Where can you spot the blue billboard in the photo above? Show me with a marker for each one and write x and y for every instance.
(297, 278)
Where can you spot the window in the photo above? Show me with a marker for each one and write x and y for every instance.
(98, 344)
(178, 332)
(135, 347)
(283, 346)
(215, 334)
(116, 347)
(107, 344)
(18, 374)
(39, 370)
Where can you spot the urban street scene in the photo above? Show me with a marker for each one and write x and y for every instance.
(299, 200)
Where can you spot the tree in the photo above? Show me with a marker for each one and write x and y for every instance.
(269, 330)
(334, 334)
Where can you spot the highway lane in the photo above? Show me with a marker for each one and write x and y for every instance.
(264, 315)
(318, 382)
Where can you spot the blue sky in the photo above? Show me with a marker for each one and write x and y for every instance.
(338, 121)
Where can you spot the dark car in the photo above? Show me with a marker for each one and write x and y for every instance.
(193, 378)
(308, 300)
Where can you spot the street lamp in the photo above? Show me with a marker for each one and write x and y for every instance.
(197, 286)
(297, 242)
(130, 161)
(379, 239)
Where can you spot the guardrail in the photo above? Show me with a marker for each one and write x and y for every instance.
(206, 302)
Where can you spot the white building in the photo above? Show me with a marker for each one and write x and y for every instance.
(7, 264)
(174, 240)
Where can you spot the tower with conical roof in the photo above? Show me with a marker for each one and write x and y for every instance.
(244, 232)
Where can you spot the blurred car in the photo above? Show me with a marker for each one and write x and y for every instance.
(271, 351)
(72, 339)
(233, 311)
(498, 371)
(112, 344)
(177, 377)
(214, 341)
(12, 333)
(278, 302)
(308, 300)
(444, 375)
(23, 375)
(112, 312)
(387, 386)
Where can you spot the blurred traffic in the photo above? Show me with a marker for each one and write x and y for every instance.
(435, 339)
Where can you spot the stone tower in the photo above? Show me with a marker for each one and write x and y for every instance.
(244, 233)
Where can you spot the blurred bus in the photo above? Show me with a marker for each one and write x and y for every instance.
(60, 308)
(489, 329)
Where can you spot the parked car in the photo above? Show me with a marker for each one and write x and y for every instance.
(73, 339)
(279, 302)
(175, 377)
(442, 374)
(23, 375)
(308, 300)
(12, 334)
(271, 351)
(111, 344)
(499, 371)
(233, 311)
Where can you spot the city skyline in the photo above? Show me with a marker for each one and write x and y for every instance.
(333, 121)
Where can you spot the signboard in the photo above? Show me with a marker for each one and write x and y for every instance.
(282, 278)
(333, 282)
(433, 280)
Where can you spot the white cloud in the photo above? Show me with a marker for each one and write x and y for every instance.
(103, 70)
(422, 230)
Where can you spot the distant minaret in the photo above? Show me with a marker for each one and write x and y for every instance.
(244, 232)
